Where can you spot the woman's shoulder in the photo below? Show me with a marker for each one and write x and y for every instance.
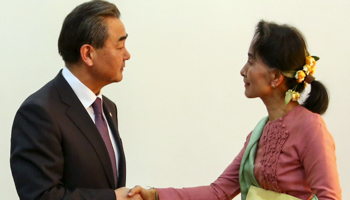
(304, 123)
(300, 116)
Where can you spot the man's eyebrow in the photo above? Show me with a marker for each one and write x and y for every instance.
(123, 37)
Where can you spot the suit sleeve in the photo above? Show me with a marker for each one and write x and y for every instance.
(37, 161)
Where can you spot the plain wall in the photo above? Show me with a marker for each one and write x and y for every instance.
(182, 113)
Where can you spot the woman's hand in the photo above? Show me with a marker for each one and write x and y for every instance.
(150, 194)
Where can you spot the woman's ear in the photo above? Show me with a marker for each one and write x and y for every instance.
(277, 77)
(86, 53)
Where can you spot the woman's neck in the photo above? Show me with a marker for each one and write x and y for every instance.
(277, 109)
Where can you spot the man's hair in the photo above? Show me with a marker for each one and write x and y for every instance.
(85, 25)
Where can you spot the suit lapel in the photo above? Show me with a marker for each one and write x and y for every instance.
(79, 116)
(111, 116)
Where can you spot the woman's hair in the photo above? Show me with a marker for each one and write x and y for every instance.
(284, 48)
(85, 25)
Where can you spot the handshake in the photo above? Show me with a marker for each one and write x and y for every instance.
(136, 193)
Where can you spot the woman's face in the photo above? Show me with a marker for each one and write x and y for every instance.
(257, 77)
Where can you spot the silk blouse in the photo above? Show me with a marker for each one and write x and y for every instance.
(295, 155)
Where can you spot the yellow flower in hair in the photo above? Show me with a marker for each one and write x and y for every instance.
(306, 69)
(291, 94)
(311, 65)
(312, 70)
(300, 76)
(295, 96)
(311, 61)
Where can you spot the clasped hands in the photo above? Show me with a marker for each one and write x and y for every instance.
(136, 193)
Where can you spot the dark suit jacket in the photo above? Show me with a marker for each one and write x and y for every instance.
(57, 151)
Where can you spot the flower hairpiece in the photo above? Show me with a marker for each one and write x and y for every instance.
(303, 75)
(291, 94)
(308, 69)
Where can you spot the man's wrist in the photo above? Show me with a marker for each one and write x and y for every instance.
(154, 193)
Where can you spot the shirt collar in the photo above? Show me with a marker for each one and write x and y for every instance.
(84, 94)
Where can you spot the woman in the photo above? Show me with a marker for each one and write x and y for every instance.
(291, 150)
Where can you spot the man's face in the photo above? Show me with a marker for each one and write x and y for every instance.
(109, 61)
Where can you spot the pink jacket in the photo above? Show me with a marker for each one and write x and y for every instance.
(296, 156)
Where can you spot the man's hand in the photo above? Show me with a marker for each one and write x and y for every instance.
(150, 194)
(122, 194)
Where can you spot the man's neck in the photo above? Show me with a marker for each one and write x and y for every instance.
(82, 73)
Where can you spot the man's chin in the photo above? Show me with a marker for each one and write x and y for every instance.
(118, 79)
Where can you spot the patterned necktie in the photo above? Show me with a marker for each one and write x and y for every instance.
(103, 129)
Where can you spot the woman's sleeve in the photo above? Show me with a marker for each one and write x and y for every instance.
(319, 161)
(224, 188)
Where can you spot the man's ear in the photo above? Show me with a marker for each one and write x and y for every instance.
(277, 77)
(86, 53)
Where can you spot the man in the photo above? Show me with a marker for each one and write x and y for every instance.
(63, 146)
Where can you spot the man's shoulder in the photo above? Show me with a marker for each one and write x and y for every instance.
(107, 100)
(109, 104)
(45, 94)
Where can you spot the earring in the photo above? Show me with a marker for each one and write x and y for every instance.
(273, 85)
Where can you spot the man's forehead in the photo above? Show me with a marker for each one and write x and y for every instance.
(116, 29)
